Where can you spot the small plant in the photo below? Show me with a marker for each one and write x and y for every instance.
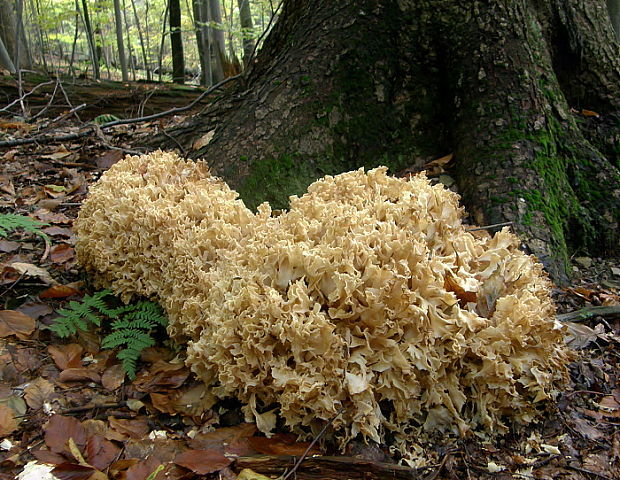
(131, 325)
(105, 118)
(10, 222)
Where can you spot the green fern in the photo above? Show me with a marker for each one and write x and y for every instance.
(10, 222)
(105, 118)
(131, 325)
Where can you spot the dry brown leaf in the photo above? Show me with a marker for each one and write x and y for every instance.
(62, 253)
(30, 270)
(204, 140)
(100, 452)
(113, 377)
(136, 429)
(281, 444)
(38, 392)
(589, 113)
(60, 429)
(81, 374)
(16, 323)
(7, 421)
(6, 246)
(59, 291)
(66, 356)
(202, 461)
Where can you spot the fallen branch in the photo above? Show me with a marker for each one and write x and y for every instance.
(588, 312)
(336, 468)
(89, 130)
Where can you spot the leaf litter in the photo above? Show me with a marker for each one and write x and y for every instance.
(66, 407)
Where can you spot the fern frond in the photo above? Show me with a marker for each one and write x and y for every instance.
(10, 222)
(131, 325)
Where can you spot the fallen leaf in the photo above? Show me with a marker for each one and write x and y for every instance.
(108, 159)
(249, 474)
(204, 140)
(281, 444)
(47, 456)
(38, 392)
(82, 374)
(31, 270)
(223, 437)
(100, 452)
(73, 471)
(136, 429)
(60, 429)
(66, 356)
(144, 470)
(59, 291)
(7, 421)
(202, 461)
(579, 336)
(161, 376)
(16, 323)
(589, 113)
(62, 253)
(6, 246)
(35, 310)
(58, 232)
(113, 377)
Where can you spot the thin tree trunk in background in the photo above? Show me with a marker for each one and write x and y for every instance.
(218, 47)
(141, 37)
(148, 44)
(131, 57)
(176, 42)
(232, 55)
(118, 23)
(75, 38)
(91, 40)
(36, 8)
(19, 10)
(201, 40)
(247, 29)
(5, 58)
(160, 57)
(613, 6)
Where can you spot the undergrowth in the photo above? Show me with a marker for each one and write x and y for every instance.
(10, 222)
(131, 326)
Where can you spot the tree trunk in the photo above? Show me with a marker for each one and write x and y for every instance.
(11, 29)
(247, 30)
(613, 6)
(119, 39)
(176, 42)
(91, 41)
(141, 38)
(339, 85)
(202, 40)
(5, 58)
(217, 42)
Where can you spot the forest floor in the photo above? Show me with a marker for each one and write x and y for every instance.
(69, 405)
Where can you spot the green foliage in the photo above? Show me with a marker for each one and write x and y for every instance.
(131, 325)
(106, 118)
(10, 222)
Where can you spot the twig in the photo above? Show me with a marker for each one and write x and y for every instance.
(588, 312)
(49, 103)
(61, 117)
(89, 130)
(94, 406)
(486, 227)
(590, 472)
(442, 464)
(167, 135)
(316, 439)
(34, 89)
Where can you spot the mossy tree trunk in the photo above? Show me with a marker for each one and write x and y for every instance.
(499, 83)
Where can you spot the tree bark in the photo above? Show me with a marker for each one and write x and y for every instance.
(499, 83)
(91, 41)
(247, 29)
(176, 42)
(217, 42)
(119, 39)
